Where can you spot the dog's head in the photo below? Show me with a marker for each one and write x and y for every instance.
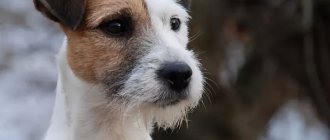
(136, 49)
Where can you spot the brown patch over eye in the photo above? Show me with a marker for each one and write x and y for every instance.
(95, 53)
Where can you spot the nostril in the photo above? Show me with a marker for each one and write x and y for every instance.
(177, 75)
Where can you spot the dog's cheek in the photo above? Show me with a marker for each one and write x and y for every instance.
(107, 64)
(90, 55)
(116, 72)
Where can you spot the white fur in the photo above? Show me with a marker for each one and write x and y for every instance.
(74, 117)
(167, 46)
(83, 111)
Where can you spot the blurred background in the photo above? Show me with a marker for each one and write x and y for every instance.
(267, 64)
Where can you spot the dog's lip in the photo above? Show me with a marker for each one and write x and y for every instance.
(164, 103)
(170, 101)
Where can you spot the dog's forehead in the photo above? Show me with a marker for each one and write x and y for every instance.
(163, 7)
(99, 10)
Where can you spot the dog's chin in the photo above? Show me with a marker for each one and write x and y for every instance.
(171, 110)
(171, 114)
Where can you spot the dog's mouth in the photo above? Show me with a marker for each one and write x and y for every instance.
(171, 98)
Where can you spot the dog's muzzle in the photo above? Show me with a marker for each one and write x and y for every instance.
(175, 77)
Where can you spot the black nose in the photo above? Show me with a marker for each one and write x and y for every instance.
(177, 75)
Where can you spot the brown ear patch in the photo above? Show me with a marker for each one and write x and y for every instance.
(44, 10)
(68, 12)
(97, 58)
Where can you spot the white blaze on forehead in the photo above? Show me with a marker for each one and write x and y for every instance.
(166, 8)
(165, 46)
(161, 12)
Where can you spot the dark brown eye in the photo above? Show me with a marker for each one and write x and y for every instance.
(175, 24)
(117, 27)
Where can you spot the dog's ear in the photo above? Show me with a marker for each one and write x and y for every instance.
(68, 12)
(185, 3)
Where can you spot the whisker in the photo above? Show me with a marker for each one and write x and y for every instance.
(194, 37)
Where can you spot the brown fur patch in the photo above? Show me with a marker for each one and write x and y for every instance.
(95, 57)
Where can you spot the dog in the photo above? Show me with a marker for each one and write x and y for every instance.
(124, 68)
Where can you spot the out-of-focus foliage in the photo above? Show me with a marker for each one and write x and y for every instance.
(262, 57)
(266, 62)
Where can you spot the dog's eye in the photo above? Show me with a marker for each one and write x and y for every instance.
(117, 27)
(175, 24)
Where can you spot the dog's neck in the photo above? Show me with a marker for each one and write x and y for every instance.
(83, 113)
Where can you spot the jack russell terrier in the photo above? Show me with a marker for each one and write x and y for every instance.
(124, 68)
